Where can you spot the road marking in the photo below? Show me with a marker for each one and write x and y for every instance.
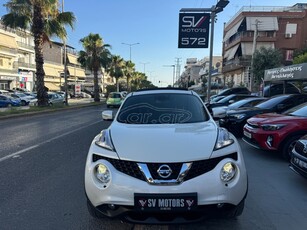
(48, 141)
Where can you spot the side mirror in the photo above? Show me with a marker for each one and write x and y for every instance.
(107, 115)
(231, 101)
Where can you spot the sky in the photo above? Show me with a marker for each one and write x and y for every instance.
(154, 24)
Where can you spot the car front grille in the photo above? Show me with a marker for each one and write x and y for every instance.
(301, 148)
(198, 167)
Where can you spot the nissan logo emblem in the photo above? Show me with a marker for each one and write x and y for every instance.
(164, 171)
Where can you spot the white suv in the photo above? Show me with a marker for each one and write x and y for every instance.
(164, 160)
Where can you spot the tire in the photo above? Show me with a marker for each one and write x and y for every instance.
(93, 212)
(23, 103)
(288, 145)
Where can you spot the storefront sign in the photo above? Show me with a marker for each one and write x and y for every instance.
(291, 72)
(193, 30)
(7, 78)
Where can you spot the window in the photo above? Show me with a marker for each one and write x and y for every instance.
(1, 62)
(289, 55)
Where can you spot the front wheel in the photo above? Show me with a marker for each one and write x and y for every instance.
(93, 212)
(288, 145)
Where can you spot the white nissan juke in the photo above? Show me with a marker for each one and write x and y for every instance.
(164, 160)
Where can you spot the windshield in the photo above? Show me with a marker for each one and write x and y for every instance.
(271, 102)
(114, 95)
(162, 109)
(300, 111)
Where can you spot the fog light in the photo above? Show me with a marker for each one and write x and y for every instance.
(228, 171)
(269, 141)
(102, 173)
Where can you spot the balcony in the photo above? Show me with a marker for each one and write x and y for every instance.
(20, 64)
(26, 46)
(237, 63)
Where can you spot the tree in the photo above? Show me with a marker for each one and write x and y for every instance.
(300, 59)
(116, 69)
(95, 56)
(129, 69)
(265, 58)
(44, 20)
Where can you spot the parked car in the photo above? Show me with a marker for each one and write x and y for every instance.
(277, 132)
(278, 88)
(298, 162)
(7, 101)
(227, 101)
(25, 99)
(53, 99)
(220, 112)
(142, 169)
(236, 119)
(229, 91)
(115, 99)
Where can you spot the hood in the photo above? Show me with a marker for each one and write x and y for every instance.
(267, 118)
(164, 142)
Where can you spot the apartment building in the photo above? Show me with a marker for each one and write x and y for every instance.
(283, 28)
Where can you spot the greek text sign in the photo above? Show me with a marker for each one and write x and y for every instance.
(292, 72)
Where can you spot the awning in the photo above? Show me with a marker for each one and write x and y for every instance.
(247, 48)
(229, 54)
(8, 41)
(78, 72)
(51, 86)
(264, 23)
(232, 30)
(72, 59)
(49, 71)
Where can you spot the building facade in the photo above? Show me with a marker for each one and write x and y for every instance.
(282, 28)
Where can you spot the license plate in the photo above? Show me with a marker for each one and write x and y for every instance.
(300, 163)
(247, 134)
(165, 202)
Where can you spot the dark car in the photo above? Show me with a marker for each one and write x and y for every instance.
(298, 162)
(220, 112)
(236, 119)
(278, 88)
(227, 101)
(277, 132)
(235, 90)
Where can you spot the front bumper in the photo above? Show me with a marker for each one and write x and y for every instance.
(117, 199)
(298, 164)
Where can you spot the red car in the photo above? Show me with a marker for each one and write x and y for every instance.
(277, 132)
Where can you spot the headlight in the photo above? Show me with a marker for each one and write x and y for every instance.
(239, 116)
(272, 127)
(223, 139)
(105, 141)
(228, 172)
(102, 173)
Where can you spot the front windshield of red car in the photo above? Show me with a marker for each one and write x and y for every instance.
(299, 111)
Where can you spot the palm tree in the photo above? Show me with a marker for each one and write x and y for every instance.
(128, 72)
(43, 19)
(116, 69)
(95, 56)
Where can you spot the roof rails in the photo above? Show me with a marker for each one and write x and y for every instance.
(163, 88)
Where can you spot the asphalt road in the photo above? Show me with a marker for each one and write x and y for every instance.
(42, 161)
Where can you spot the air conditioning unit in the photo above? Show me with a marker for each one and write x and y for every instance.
(288, 35)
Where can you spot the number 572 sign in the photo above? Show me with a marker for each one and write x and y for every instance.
(193, 30)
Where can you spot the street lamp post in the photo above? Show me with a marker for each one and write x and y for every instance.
(144, 63)
(221, 4)
(65, 64)
(173, 72)
(130, 44)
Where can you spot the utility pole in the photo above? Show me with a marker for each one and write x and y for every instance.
(144, 63)
(178, 60)
(251, 84)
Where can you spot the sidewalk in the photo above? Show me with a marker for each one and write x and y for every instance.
(72, 104)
